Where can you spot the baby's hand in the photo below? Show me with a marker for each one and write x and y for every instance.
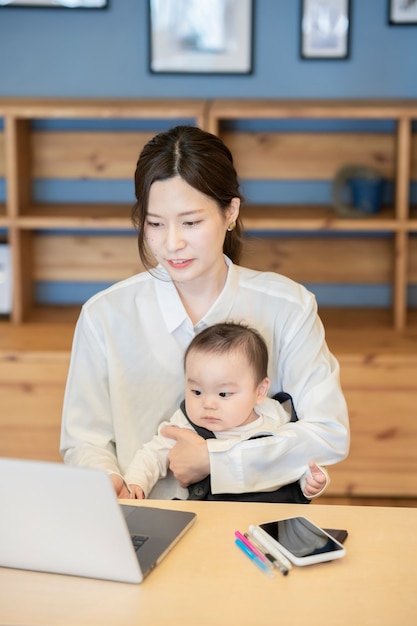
(136, 492)
(316, 482)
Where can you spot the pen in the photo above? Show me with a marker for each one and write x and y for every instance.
(246, 540)
(280, 566)
(255, 559)
(265, 541)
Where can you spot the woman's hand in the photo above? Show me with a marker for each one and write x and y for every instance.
(189, 459)
(120, 486)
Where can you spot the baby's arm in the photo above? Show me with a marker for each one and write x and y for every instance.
(314, 483)
(150, 462)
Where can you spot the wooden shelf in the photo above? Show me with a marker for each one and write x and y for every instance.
(384, 243)
(98, 108)
(314, 218)
(81, 216)
(309, 153)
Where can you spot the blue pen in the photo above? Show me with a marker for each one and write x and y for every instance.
(258, 562)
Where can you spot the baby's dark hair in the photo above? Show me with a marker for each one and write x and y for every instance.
(229, 337)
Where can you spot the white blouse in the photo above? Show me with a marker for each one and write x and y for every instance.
(126, 376)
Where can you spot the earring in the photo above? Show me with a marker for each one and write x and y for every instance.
(232, 226)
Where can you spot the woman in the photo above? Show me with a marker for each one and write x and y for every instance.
(126, 372)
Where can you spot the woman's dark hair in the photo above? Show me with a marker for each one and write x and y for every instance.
(203, 161)
(228, 337)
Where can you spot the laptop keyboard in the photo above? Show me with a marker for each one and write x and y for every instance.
(138, 541)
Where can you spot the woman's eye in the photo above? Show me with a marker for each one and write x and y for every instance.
(191, 224)
(153, 224)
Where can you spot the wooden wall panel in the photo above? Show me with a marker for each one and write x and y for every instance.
(258, 156)
(2, 155)
(322, 260)
(318, 259)
(308, 156)
(31, 391)
(412, 261)
(381, 394)
(90, 155)
(380, 391)
(85, 258)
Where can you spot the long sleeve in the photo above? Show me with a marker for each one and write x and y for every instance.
(88, 438)
(150, 462)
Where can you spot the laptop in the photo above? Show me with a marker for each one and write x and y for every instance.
(67, 520)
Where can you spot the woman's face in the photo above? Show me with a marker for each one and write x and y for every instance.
(185, 229)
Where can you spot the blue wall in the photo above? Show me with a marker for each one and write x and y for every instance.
(54, 52)
(104, 53)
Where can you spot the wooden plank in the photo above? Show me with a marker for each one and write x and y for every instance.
(318, 259)
(381, 394)
(32, 391)
(107, 108)
(413, 156)
(322, 260)
(87, 155)
(258, 155)
(2, 156)
(412, 260)
(264, 108)
(34, 341)
(85, 258)
(308, 156)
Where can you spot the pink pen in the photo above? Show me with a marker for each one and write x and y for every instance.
(251, 547)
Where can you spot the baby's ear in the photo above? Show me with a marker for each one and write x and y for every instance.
(263, 389)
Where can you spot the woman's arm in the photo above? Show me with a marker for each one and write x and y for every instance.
(87, 436)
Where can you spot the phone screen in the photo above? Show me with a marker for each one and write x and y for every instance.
(300, 537)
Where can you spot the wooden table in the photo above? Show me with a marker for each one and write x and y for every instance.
(206, 580)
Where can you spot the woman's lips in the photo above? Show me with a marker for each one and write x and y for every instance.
(179, 263)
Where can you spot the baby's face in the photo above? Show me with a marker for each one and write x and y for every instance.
(221, 390)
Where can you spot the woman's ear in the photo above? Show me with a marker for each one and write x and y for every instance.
(263, 389)
(233, 210)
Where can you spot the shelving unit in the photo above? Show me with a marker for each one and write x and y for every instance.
(316, 156)
(380, 249)
(30, 154)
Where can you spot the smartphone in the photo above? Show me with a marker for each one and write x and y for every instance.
(301, 541)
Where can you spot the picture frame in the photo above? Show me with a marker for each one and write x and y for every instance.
(402, 12)
(204, 37)
(325, 29)
(55, 4)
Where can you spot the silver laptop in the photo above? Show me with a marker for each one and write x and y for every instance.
(67, 520)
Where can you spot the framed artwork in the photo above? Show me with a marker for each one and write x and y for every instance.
(402, 12)
(200, 36)
(325, 29)
(56, 4)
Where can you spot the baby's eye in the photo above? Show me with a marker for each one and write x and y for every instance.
(225, 394)
(195, 392)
